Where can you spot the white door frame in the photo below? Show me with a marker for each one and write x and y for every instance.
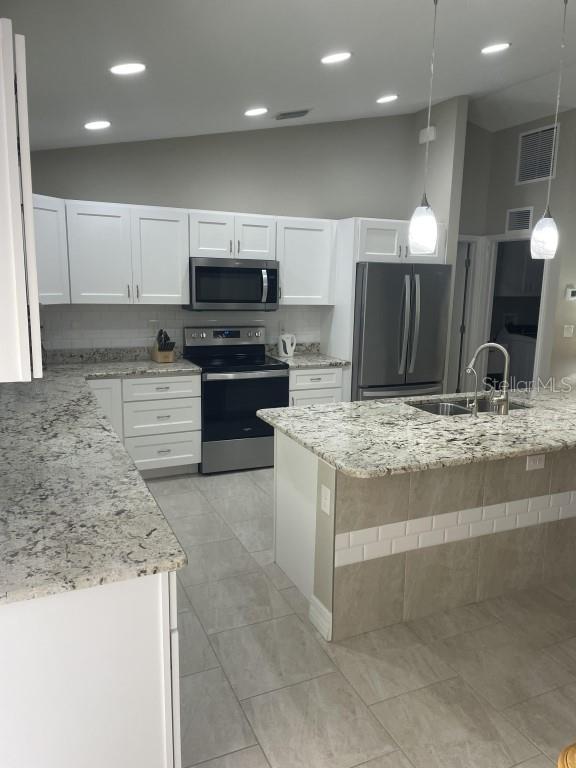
(483, 287)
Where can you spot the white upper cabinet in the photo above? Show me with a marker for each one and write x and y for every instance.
(211, 234)
(51, 250)
(304, 249)
(386, 241)
(99, 251)
(437, 256)
(382, 240)
(160, 255)
(255, 237)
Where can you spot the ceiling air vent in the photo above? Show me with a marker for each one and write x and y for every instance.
(296, 113)
(535, 150)
(519, 219)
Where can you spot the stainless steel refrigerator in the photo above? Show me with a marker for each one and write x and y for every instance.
(400, 329)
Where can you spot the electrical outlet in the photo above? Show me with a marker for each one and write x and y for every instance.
(535, 462)
(325, 499)
(568, 331)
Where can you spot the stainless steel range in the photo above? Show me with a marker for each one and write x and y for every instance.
(238, 378)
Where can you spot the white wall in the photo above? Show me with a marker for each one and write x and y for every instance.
(92, 326)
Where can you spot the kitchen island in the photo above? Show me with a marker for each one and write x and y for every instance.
(385, 513)
(88, 629)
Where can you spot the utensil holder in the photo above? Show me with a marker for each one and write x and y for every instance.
(162, 357)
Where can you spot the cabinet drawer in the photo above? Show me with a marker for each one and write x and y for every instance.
(321, 378)
(303, 397)
(160, 387)
(153, 417)
(159, 451)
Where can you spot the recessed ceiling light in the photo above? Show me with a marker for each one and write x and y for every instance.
(256, 111)
(131, 68)
(387, 98)
(495, 48)
(336, 58)
(97, 125)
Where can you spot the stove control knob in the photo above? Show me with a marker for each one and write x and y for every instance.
(203, 335)
(194, 335)
(249, 334)
(258, 334)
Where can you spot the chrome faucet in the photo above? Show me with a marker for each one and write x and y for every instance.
(501, 400)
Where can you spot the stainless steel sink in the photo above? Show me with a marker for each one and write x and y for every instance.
(459, 407)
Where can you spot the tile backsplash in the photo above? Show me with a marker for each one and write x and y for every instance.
(93, 326)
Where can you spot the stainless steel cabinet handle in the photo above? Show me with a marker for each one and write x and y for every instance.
(416, 324)
(162, 389)
(165, 450)
(238, 251)
(138, 292)
(399, 251)
(128, 286)
(317, 378)
(406, 328)
(292, 399)
(163, 417)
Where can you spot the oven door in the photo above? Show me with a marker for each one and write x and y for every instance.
(233, 284)
(230, 402)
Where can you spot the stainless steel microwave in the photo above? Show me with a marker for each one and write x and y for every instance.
(233, 284)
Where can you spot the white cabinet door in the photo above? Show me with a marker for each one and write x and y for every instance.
(211, 234)
(255, 237)
(315, 396)
(434, 257)
(382, 240)
(99, 252)
(108, 392)
(305, 251)
(160, 255)
(51, 250)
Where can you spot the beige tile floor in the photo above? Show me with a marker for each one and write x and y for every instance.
(484, 686)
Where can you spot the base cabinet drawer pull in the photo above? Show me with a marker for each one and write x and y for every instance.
(165, 450)
(167, 416)
(317, 378)
(162, 389)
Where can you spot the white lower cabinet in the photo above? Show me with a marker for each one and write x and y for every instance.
(301, 397)
(159, 418)
(90, 678)
(162, 451)
(108, 392)
(313, 386)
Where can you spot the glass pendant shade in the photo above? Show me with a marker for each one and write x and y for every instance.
(544, 241)
(423, 230)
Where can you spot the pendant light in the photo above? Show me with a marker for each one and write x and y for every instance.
(423, 229)
(544, 240)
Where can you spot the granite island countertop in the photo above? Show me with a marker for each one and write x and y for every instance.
(74, 510)
(379, 437)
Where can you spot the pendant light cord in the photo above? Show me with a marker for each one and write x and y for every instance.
(432, 62)
(558, 92)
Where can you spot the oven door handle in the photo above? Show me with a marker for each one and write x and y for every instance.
(244, 375)
(264, 286)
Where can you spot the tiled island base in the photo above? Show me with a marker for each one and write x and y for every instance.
(401, 547)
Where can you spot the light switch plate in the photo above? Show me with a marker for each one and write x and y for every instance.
(325, 499)
(535, 462)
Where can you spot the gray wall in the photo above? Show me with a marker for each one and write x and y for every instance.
(333, 170)
(476, 181)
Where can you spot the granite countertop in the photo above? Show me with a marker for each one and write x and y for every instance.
(312, 360)
(74, 510)
(382, 437)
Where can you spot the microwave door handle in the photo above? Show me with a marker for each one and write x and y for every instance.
(417, 293)
(264, 286)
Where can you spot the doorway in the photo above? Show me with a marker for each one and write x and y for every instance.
(516, 298)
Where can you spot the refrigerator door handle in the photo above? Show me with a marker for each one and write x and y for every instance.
(417, 311)
(406, 329)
